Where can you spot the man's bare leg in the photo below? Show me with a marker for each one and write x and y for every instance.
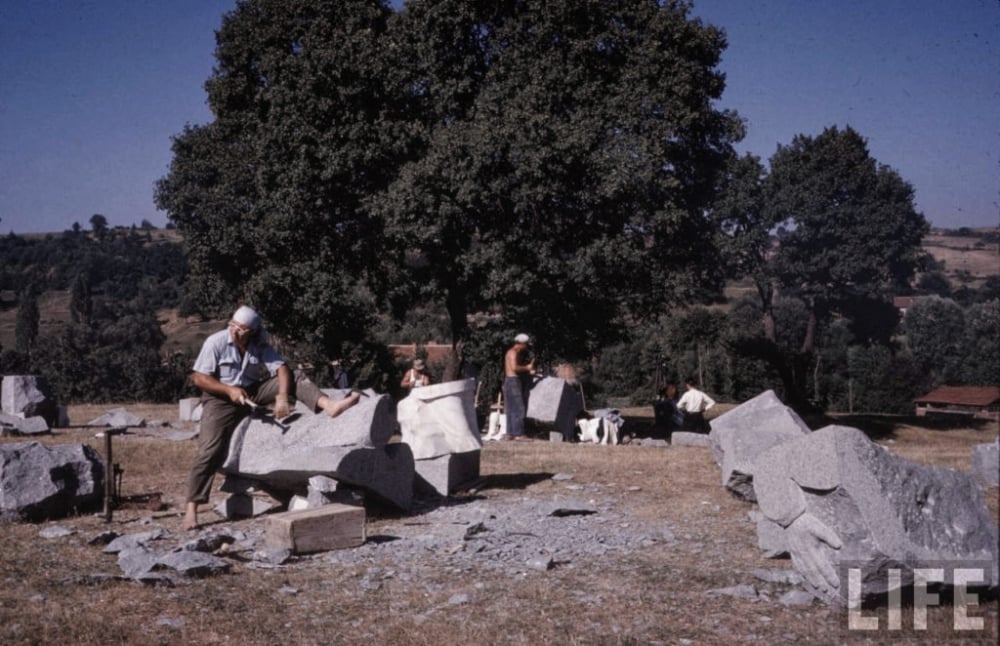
(191, 516)
(334, 407)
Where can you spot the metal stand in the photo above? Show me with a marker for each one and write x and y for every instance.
(111, 472)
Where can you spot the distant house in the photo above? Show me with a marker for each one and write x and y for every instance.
(903, 303)
(974, 401)
(437, 353)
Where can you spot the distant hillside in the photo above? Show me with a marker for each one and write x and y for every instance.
(969, 257)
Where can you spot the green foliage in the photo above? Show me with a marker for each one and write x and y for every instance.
(110, 350)
(270, 196)
(849, 237)
(553, 159)
(26, 325)
(882, 382)
(981, 366)
(935, 330)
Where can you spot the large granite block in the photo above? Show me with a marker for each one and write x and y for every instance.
(845, 501)
(440, 419)
(555, 403)
(39, 482)
(740, 434)
(28, 396)
(447, 474)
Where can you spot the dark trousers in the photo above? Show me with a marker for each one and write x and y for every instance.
(515, 404)
(219, 418)
(696, 423)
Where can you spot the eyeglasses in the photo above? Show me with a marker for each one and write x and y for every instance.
(240, 329)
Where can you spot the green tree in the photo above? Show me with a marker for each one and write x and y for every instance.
(270, 195)
(568, 151)
(981, 364)
(99, 225)
(935, 333)
(849, 235)
(81, 306)
(26, 324)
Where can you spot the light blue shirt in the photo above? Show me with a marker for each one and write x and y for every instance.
(220, 358)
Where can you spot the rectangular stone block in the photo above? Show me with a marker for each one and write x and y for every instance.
(331, 527)
(446, 474)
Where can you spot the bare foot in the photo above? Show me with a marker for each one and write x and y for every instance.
(334, 407)
(191, 517)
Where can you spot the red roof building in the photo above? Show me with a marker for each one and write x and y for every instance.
(977, 401)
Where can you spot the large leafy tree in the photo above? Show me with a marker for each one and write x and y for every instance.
(848, 237)
(569, 153)
(269, 195)
(549, 160)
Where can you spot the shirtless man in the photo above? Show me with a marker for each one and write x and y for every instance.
(517, 381)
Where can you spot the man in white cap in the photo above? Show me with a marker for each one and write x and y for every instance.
(516, 384)
(235, 369)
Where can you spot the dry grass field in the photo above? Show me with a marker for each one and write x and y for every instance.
(964, 255)
(654, 595)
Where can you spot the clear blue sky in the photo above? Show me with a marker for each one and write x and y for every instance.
(91, 92)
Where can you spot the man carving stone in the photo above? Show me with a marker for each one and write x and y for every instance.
(238, 370)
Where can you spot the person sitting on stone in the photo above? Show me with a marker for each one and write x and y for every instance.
(238, 369)
(667, 417)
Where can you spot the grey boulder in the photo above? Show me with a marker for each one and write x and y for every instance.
(39, 482)
(739, 435)
(847, 503)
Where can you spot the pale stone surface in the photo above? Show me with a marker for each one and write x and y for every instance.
(770, 536)
(440, 419)
(555, 402)
(38, 482)
(118, 417)
(28, 396)
(351, 448)
(11, 425)
(845, 501)
(684, 438)
(447, 474)
(986, 463)
(738, 435)
(189, 409)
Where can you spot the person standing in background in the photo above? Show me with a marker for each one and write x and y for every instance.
(516, 384)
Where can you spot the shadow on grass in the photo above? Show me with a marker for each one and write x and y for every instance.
(879, 427)
(511, 480)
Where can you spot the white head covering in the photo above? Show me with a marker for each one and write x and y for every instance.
(522, 338)
(248, 317)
